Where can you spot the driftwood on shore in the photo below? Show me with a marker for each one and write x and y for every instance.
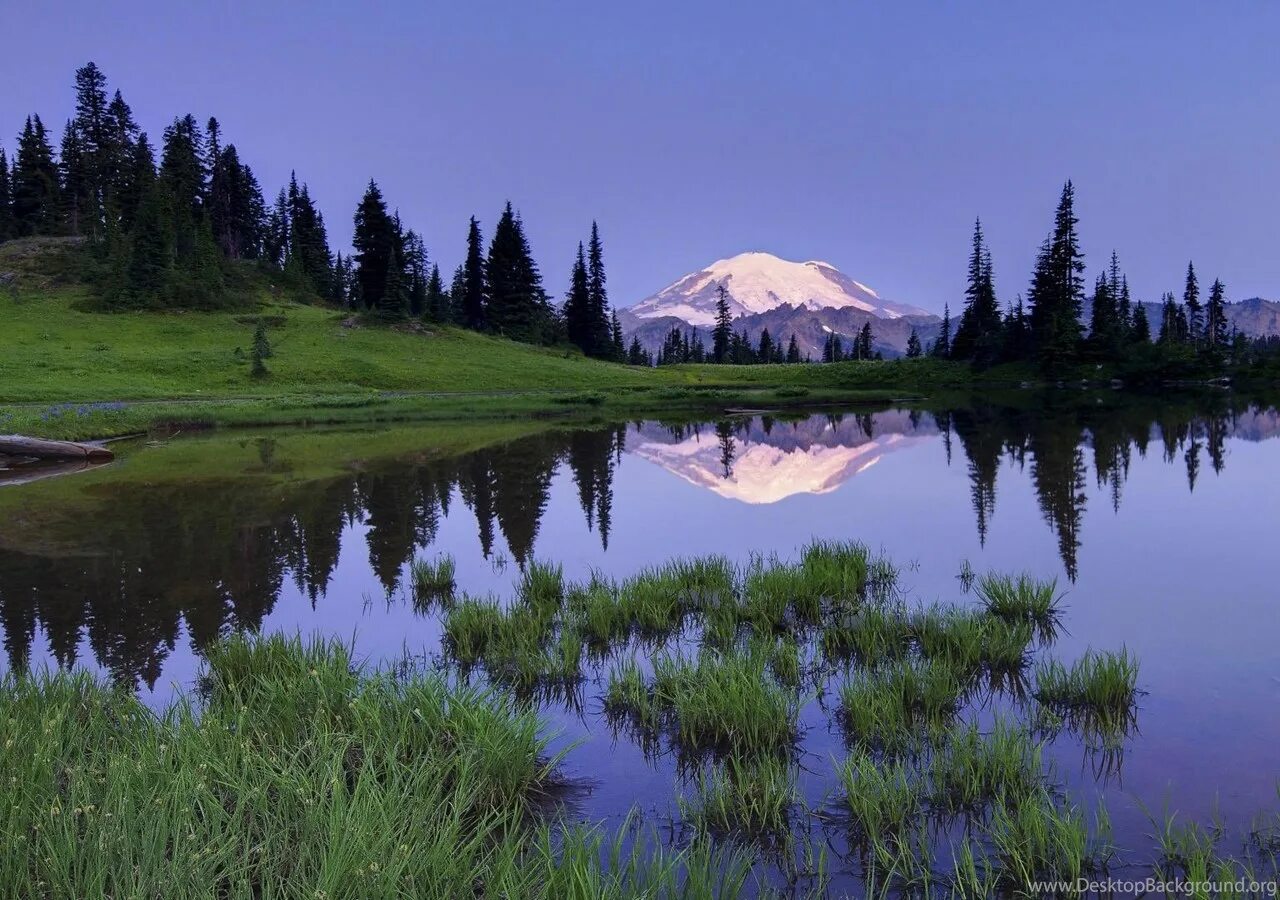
(15, 445)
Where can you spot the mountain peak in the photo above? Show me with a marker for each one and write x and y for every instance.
(758, 282)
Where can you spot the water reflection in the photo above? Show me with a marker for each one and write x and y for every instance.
(124, 564)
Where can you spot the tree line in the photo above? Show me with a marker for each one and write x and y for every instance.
(1052, 330)
(169, 228)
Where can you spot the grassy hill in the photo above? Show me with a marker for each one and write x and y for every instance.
(68, 370)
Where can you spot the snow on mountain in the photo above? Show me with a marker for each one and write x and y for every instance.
(759, 282)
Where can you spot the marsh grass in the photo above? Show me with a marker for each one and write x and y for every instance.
(896, 707)
(725, 703)
(1036, 837)
(836, 570)
(1100, 689)
(1022, 599)
(433, 581)
(971, 769)
(752, 798)
(875, 634)
(883, 798)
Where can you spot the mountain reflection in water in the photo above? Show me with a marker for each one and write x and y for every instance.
(123, 566)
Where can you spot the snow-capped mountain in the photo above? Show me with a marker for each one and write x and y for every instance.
(758, 282)
(808, 299)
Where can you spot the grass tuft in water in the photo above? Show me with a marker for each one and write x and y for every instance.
(1022, 599)
(971, 769)
(893, 708)
(1102, 685)
(749, 798)
(433, 581)
(883, 798)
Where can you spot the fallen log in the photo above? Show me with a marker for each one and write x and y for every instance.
(35, 448)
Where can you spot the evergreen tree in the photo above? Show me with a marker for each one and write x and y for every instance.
(1215, 335)
(636, 355)
(1104, 324)
(119, 161)
(88, 169)
(261, 350)
(375, 244)
(1191, 303)
(150, 250)
(393, 303)
(722, 334)
(437, 297)
(34, 182)
(417, 272)
(942, 346)
(615, 331)
(980, 322)
(1168, 321)
(471, 302)
(1056, 293)
(864, 342)
(793, 350)
(6, 201)
(913, 345)
(73, 189)
(765, 353)
(517, 304)
(578, 322)
(600, 338)
(1140, 330)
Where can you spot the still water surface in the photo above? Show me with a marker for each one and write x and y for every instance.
(1159, 519)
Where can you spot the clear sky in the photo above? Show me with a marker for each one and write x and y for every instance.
(868, 134)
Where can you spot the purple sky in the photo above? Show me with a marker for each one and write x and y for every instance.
(866, 134)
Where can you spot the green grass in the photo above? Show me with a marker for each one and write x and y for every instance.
(726, 703)
(1021, 599)
(897, 706)
(750, 798)
(432, 580)
(972, 769)
(1038, 837)
(883, 798)
(302, 774)
(1102, 684)
(63, 367)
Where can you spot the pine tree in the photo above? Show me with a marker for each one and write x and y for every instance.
(942, 346)
(864, 342)
(723, 331)
(980, 321)
(598, 314)
(578, 322)
(1216, 318)
(765, 353)
(1140, 330)
(437, 297)
(793, 350)
(261, 350)
(616, 340)
(150, 251)
(1191, 303)
(393, 303)
(517, 305)
(913, 345)
(1056, 294)
(34, 183)
(1104, 325)
(471, 302)
(73, 186)
(374, 242)
(6, 201)
(1168, 321)
(636, 355)
(89, 168)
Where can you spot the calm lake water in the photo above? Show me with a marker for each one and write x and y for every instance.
(1158, 518)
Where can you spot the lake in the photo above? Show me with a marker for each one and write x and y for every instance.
(1158, 517)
